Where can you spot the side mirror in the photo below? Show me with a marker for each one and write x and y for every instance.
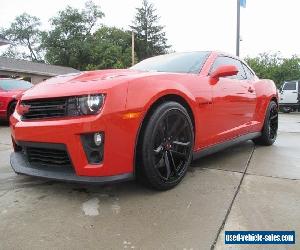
(222, 71)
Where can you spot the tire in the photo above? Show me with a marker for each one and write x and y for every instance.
(11, 109)
(166, 146)
(286, 110)
(270, 128)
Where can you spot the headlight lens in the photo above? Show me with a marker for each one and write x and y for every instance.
(85, 105)
(90, 104)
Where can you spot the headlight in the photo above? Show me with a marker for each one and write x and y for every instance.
(90, 104)
(85, 105)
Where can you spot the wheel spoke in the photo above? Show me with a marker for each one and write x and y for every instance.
(179, 155)
(273, 117)
(160, 162)
(184, 144)
(173, 163)
(168, 167)
(159, 149)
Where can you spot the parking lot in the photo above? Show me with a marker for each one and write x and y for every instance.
(241, 188)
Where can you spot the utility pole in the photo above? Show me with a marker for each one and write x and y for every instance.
(132, 48)
(238, 17)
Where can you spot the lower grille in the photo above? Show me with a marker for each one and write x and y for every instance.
(45, 108)
(47, 157)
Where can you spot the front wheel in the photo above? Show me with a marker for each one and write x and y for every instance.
(167, 144)
(270, 128)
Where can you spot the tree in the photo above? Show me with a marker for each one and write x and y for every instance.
(24, 32)
(110, 48)
(150, 38)
(69, 41)
(273, 66)
(289, 70)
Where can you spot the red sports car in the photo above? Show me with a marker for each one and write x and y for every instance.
(9, 91)
(147, 122)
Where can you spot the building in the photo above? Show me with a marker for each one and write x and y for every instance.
(31, 71)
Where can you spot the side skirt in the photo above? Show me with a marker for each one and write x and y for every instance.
(223, 145)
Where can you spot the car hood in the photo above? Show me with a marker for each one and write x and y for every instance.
(82, 83)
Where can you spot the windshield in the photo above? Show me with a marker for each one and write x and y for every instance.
(12, 84)
(189, 62)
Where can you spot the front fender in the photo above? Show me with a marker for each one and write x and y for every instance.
(141, 95)
(4, 104)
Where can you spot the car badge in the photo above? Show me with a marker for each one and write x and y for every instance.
(23, 109)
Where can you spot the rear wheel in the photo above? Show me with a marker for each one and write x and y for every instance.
(269, 131)
(167, 144)
(11, 109)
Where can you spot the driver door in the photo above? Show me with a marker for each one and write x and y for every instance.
(233, 101)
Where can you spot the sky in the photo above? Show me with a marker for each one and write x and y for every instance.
(266, 25)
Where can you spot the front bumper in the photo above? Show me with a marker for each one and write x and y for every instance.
(119, 144)
(20, 165)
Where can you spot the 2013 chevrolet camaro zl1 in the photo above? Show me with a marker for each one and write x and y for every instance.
(148, 121)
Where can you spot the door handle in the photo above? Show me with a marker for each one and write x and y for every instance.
(251, 90)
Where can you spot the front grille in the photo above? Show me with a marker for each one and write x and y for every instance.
(45, 108)
(47, 157)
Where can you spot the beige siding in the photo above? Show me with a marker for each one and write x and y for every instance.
(33, 77)
(37, 79)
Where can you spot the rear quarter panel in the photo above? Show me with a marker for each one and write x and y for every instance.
(265, 92)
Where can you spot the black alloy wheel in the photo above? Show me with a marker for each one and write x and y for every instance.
(167, 146)
(270, 128)
(273, 122)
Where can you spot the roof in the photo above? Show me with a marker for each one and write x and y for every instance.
(23, 66)
(3, 41)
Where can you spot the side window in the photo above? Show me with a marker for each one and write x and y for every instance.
(224, 60)
(289, 86)
(249, 73)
